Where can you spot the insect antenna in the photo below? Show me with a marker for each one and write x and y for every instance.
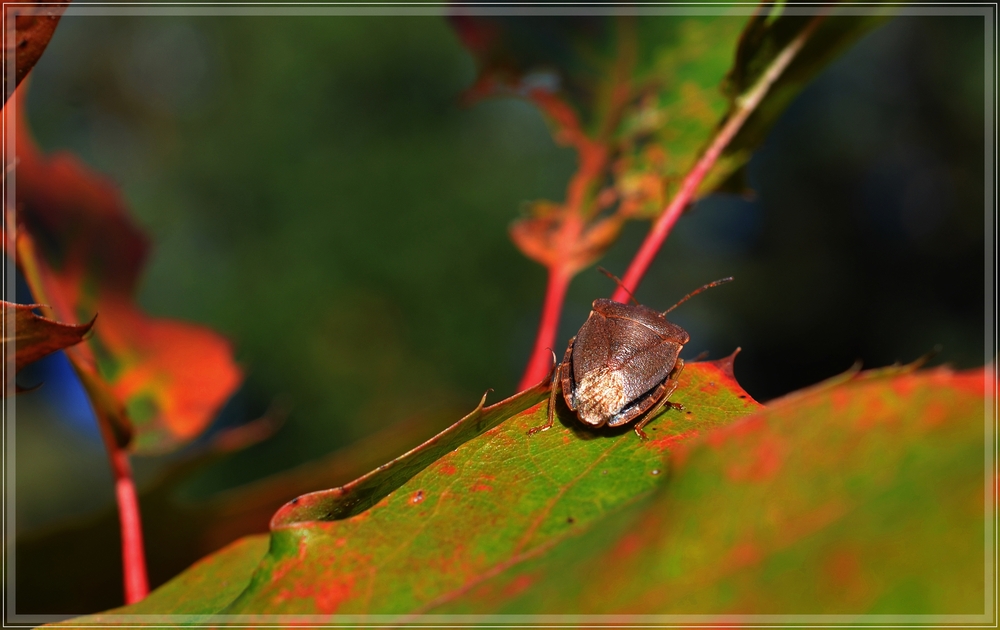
(697, 291)
(619, 282)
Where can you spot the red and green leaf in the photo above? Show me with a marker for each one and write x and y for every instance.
(635, 97)
(28, 337)
(766, 35)
(864, 495)
(655, 107)
(640, 98)
(363, 493)
(82, 254)
(489, 497)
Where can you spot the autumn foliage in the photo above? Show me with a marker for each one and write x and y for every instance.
(811, 504)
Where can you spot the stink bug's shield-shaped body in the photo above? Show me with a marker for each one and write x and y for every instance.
(617, 366)
(622, 364)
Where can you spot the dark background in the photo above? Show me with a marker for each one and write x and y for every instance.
(316, 193)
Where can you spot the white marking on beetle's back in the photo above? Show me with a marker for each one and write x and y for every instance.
(600, 394)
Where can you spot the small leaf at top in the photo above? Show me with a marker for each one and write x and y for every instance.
(643, 91)
(34, 25)
(765, 36)
(640, 98)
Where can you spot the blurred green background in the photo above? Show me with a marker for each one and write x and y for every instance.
(316, 193)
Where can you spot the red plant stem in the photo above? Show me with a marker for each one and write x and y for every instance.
(745, 106)
(133, 552)
(541, 357)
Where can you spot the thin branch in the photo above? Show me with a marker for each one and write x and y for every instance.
(745, 105)
(541, 357)
(570, 251)
(133, 551)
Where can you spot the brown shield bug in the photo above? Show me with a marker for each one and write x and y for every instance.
(623, 363)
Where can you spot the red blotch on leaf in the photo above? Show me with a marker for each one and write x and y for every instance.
(327, 595)
(762, 465)
(904, 386)
(935, 413)
(629, 545)
(842, 568)
(668, 442)
(841, 399)
(286, 565)
(877, 411)
(744, 554)
(447, 468)
(723, 376)
(518, 585)
(739, 430)
(974, 381)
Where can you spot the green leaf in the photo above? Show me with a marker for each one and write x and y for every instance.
(766, 35)
(479, 507)
(642, 98)
(357, 496)
(637, 97)
(482, 504)
(597, 64)
(858, 497)
(863, 495)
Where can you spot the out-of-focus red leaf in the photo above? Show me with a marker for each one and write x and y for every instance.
(538, 238)
(28, 337)
(34, 25)
(82, 254)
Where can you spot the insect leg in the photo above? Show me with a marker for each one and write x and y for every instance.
(553, 391)
(669, 386)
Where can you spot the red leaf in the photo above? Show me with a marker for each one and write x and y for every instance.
(82, 254)
(34, 26)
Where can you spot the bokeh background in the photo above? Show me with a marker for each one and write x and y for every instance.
(315, 192)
